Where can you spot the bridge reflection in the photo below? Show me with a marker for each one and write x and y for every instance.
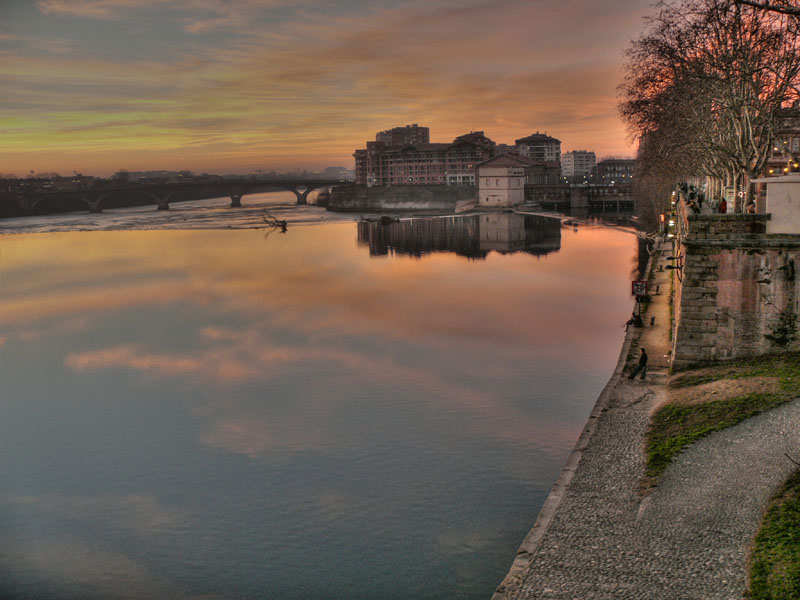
(473, 236)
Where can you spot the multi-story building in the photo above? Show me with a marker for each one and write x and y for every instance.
(785, 155)
(504, 179)
(505, 149)
(577, 164)
(539, 146)
(501, 181)
(402, 136)
(615, 170)
(422, 163)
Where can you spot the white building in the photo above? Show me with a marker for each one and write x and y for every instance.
(577, 163)
(501, 181)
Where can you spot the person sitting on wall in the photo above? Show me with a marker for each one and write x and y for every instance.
(635, 320)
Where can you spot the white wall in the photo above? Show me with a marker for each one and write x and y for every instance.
(783, 203)
(501, 186)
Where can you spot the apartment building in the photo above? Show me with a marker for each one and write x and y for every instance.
(615, 170)
(403, 136)
(384, 163)
(539, 146)
(577, 164)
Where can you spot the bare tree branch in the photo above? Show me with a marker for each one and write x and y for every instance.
(780, 7)
(706, 85)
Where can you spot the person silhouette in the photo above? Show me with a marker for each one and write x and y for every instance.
(642, 366)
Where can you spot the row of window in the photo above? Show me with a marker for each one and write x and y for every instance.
(517, 182)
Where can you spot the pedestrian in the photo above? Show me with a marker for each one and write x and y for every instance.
(751, 208)
(642, 366)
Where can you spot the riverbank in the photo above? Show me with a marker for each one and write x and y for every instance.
(598, 536)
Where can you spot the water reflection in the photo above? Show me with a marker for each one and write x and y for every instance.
(190, 412)
(474, 236)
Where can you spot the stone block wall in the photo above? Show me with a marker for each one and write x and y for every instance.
(739, 296)
(734, 226)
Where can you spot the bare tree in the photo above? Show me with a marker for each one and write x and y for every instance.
(708, 80)
(786, 7)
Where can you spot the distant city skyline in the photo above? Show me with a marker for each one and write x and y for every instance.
(96, 86)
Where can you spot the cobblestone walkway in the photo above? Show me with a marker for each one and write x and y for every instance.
(598, 538)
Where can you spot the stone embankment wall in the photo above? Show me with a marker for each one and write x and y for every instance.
(739, 291)
(360, 198)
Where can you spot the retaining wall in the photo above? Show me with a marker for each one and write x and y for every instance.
(738, 289)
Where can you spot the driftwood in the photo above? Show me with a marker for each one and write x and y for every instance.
(273, 221)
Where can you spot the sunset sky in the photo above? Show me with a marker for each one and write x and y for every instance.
(95, 86)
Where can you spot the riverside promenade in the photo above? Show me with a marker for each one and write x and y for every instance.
(599, 537)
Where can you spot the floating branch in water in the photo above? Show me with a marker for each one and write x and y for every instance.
(273, 221)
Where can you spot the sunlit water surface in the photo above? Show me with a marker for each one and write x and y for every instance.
(244, 414)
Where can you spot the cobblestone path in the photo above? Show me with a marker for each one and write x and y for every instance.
(689, 538)
(598, 538)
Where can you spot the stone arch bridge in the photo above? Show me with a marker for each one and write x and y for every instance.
(21, 201)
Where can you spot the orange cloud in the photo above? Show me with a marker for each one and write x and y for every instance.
(311, 87)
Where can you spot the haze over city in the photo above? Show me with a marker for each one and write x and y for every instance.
(95, 86)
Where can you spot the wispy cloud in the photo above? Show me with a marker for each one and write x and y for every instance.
(202, 15)
(238, 82)
(92, 9)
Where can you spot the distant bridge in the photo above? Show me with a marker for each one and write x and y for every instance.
(97, 198)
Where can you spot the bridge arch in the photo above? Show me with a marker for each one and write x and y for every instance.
(60, 203)
(98, 202)
(302, 197)
(12, 205)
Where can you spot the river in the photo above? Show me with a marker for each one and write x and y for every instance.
(339, 411)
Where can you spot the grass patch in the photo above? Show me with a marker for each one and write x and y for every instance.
(675, 426)
(775, 561)
(785, 366)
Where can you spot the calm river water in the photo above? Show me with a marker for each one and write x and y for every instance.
(341, 411)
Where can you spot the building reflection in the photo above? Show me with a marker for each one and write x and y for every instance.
(473, 237)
